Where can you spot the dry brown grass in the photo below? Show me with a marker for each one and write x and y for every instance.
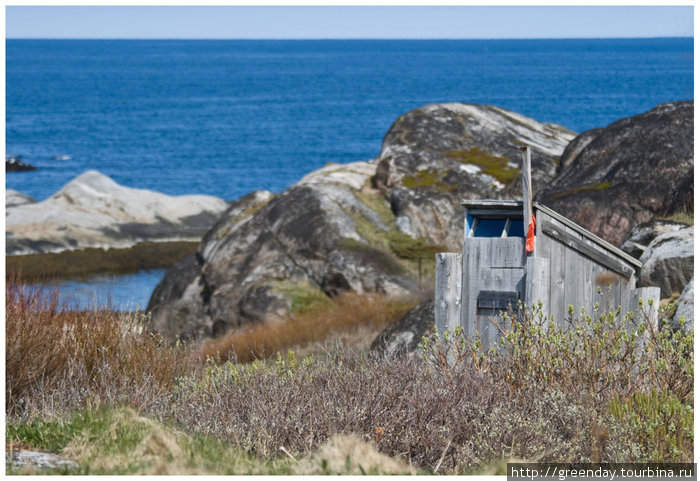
(94, 356)
(353, 318)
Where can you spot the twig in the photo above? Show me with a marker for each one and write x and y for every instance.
(442, 458)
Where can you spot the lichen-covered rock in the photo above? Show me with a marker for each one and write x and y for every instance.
(404, 336)
(627, 173)
(668, 262)
(686, 304)
(94, 211)
(434, 157)
(349, 227)
(323, 236)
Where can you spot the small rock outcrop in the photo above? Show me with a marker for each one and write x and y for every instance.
(404, 336)
(628, 173)
(94, 211)
(668, 262)
(363, 227)
(641, 236)
(14, 163)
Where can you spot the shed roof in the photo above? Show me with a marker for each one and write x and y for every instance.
(497, 204)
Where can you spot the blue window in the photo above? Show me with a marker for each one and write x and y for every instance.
(484, 226)
(489, 227)
(516, 228)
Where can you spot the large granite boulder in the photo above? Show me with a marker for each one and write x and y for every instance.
(350, 227)
(638, 168)
(94, 211)
(668, 262)
(327, 234)
(436, 156)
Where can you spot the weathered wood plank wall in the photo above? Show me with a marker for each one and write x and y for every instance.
(448, 291)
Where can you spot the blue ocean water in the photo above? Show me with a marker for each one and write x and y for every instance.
(227, 117)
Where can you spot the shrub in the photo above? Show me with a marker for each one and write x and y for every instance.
(605, 389)
(57, 358)
(620, 366)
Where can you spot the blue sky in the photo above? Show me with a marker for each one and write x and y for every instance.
(348, 22)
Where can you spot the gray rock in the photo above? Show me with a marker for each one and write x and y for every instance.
(685, 309)
(26, 458)
(14, 198)
(404, 336)
(94, 211)
(641, 236)
(668, 262)
(322, 236)
(627, 173)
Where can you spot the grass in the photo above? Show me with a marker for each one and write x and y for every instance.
(341, 316)
(98, 388)
(108, 354)
(120, 441)
(499, 168)
(303, 297)
(74, 264)
(681, 217)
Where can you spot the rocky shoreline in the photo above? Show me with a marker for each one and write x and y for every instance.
(367, 227)
(94, 211)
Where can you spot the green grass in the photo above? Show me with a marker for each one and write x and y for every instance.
(303, 297)
(120, 441)
(497, 167)
(78, 263)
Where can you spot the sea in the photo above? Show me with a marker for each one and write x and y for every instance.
(226, 117)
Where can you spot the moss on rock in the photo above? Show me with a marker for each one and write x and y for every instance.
(499, 168)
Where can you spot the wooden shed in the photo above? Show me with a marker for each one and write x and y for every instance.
(559, 264)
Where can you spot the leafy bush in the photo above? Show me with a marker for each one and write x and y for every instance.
(616, 365)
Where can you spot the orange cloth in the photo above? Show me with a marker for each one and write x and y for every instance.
(530, 242)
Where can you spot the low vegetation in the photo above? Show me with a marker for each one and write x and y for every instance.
(428, 178)
(356, 319)
(115, 399)
(74, 264)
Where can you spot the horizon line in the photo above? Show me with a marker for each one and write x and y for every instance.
(352, 38)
